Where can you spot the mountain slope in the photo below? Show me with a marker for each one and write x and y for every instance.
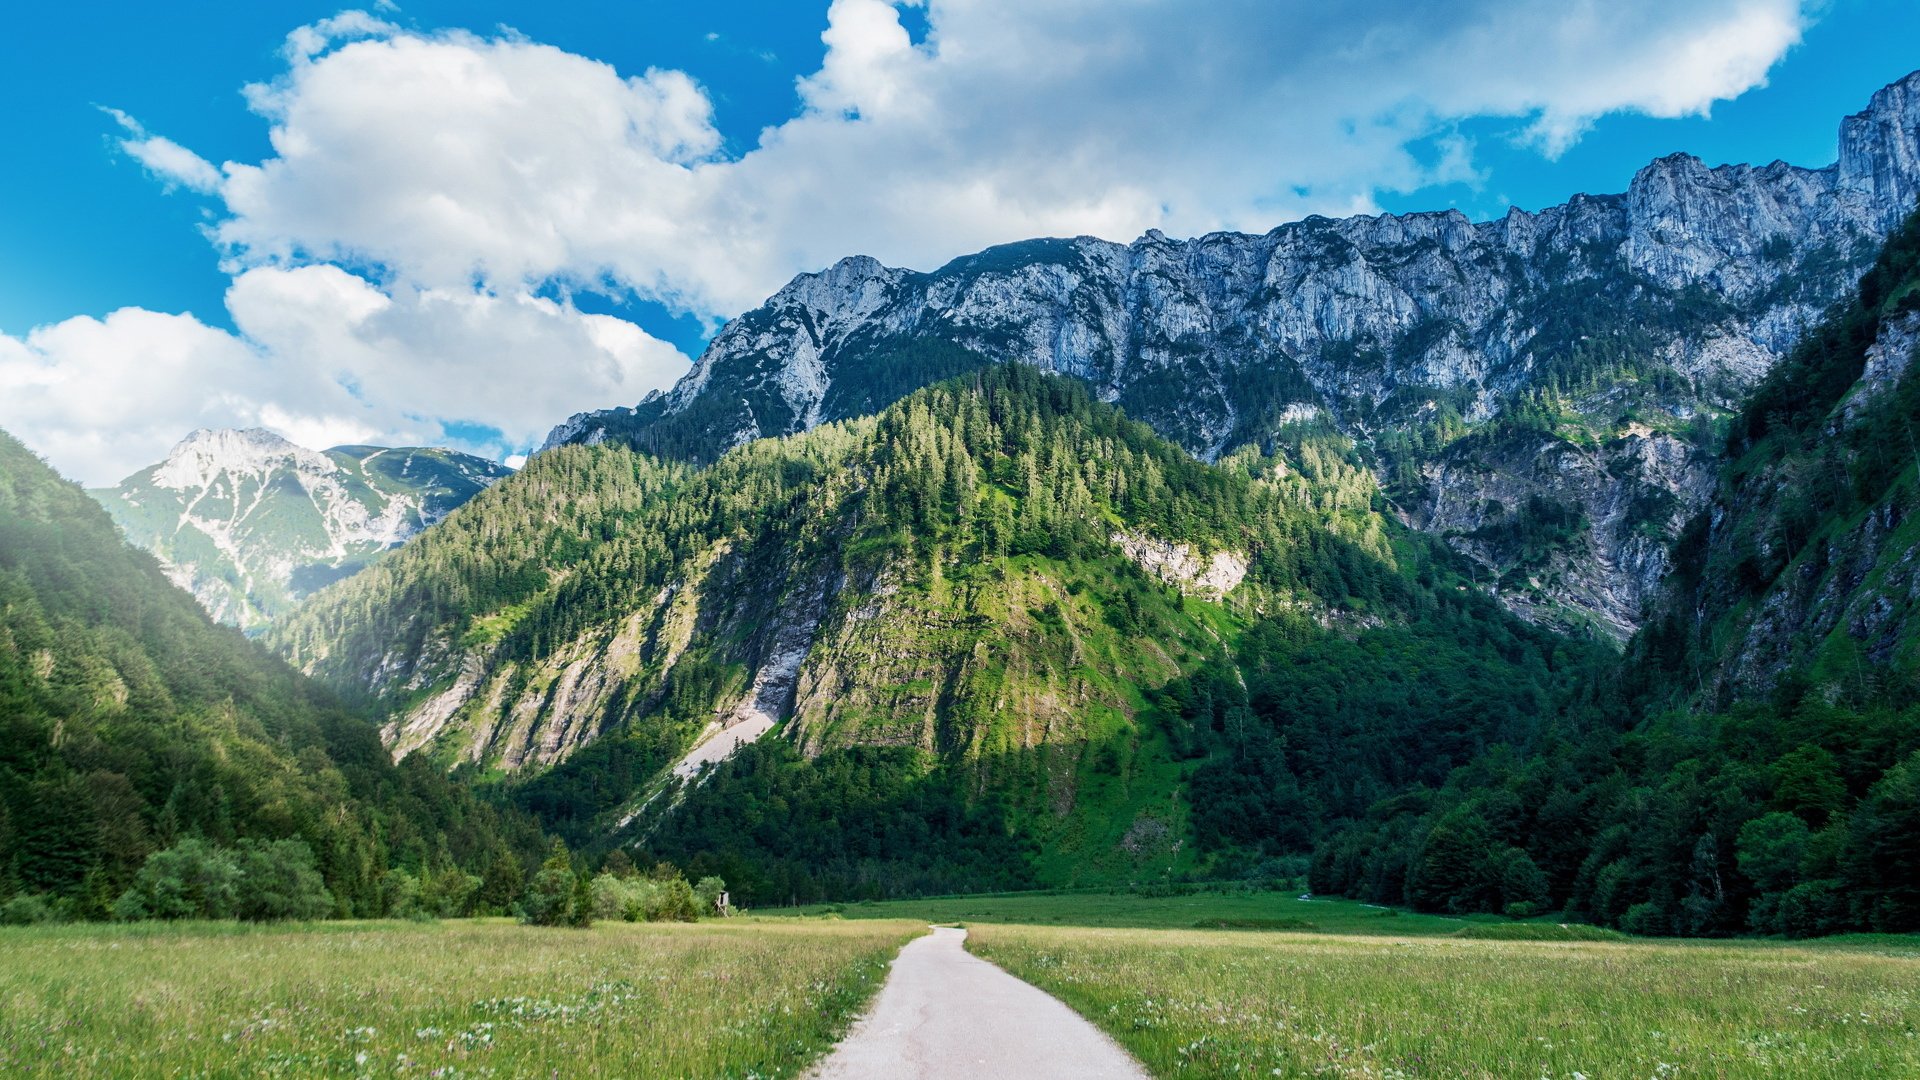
(250, 524)
(1559, 364)
(1756, 763)
(958, 616)
(1805, 564)
(128, 721)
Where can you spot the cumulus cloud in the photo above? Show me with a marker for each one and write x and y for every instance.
(449, 157)
(428, 191)
(324, 357)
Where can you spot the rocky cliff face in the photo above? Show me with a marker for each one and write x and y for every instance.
(249, 523)
(1805, 563)
(1563, 359)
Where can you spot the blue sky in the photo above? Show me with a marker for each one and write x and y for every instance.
(751, 141)
(85, 230)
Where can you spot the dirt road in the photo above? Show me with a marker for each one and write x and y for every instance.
(945, 1013)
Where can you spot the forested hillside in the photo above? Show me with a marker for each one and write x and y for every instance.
(130, 723)
(964, 610)
(998, 634)
(1760, 767)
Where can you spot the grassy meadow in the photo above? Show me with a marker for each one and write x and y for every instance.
(1205, 910)
(1212, 984)
(1266, 984)
(1194, 1003)
(744, 998)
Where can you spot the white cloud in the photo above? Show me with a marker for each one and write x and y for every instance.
(449, 157)
(173, 164)
(516, 363)
(83, 390)
(325, 358)
(426, 191)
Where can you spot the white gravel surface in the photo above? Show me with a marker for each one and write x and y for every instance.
(945, 1013)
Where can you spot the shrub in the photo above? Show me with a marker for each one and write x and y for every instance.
(279, 880)
(555, 892)
(450, 893)
(400, 896)
(672, 901)
(580, 903)
(1812, 908)
(1647, 919)
(707, 893)
(190, 880)
(612, 898)
(26, 910)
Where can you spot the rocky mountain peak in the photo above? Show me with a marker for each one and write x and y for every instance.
(197, 460)
(1880, 149)
(250, 522)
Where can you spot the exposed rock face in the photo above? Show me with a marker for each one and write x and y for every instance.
(1649, 308)
(1179, 565)
(249, 523)
(1560, 522)
(1887, 362)
(1853, 590)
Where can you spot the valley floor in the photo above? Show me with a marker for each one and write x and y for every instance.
(1266, 984)
(1193, 986)
(744, 998)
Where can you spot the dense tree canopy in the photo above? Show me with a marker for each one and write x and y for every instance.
(130, 724)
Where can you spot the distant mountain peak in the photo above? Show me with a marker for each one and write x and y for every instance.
(205, 453)
(250, 522)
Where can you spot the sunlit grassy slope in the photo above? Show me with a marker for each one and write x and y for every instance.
(745, 998)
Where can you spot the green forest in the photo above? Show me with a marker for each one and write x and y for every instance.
(133, 728)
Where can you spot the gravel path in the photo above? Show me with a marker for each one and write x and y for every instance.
(945, 1013)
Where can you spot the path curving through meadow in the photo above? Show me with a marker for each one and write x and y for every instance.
(945, 1013)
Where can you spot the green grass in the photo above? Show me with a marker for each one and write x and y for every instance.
(1251, 909)
(1196, 1003)
(745, 998)
(1385, 997)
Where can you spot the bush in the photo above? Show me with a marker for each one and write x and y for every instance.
(1647, 920)
(26, 910)
(613, 899)
(707, 893)
(450, 893)
(279, 880)
(1811, 909)
(580, 903)
(400, 896)
(672, 901)
(190, 880)
(557, 896)
(261, 880)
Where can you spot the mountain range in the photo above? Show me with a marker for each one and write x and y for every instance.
(250, 524)
(1558, 371)
(1563, 562)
